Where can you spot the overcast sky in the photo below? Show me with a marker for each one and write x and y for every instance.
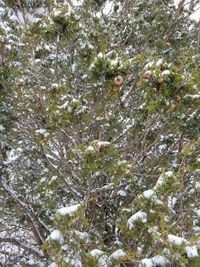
(196, 15)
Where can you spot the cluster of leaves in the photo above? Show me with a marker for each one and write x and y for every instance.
(126, 154)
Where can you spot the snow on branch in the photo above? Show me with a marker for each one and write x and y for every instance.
(17, 243)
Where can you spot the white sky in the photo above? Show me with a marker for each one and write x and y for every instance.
(196, 15)
(108, 8)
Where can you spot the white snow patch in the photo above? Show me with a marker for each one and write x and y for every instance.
(171, 202)
(191, 251)
(140, 215)
(73, 262)
(81, 235)
(63, 106)
(169, 174)
(197, 185)
(68, 210)
(189, 96)
(161, 179)
(12, 155)
(196, 228)
(176, 240)
(2, 128)
(198, 213)
(43, 132)
(148, 193)
(54, 178)
(117, 254)
(76, 263)
(121, 193)
(104, 261)
(96, 252)
(96, 145)
(103, 143)
(154, 261)
(159, 62)
(162, 147)
(108, 7)
(105, 187)
(53, 264)
(154, 232)
(166, 73)
(56, 235)
(55, 85)
(100, 55)
(114, 62)
(149, 65)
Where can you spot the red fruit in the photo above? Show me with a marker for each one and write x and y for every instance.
(177, 98)
(160, 80)
(154, 90)
(118, 80)
(115, 89)
(148, 74)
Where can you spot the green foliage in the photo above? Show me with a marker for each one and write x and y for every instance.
(25, 264)
(194, 262)
(90, 261)
(128, 153)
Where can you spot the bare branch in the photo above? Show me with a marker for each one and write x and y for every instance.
(17, 243)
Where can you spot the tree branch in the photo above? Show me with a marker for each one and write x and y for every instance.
(22, 245)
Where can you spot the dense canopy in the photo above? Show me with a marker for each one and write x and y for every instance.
(99, 133)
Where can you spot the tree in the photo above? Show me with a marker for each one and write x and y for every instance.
(99, 134)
